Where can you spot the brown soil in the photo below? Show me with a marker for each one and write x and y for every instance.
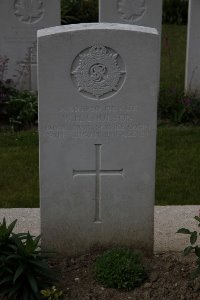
(169, 279)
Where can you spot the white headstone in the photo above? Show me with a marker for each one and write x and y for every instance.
(19, 22)
(139, 12)
(192, 76)
(98, 86)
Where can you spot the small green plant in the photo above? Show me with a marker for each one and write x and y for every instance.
(52, 293)
(23, 270)
(120, 268)
(192, 247)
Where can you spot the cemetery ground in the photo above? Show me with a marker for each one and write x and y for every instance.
(169, 278)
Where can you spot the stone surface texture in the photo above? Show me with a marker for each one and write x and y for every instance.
(192, 76)
(139, 12)
(19, 22)
(167, 220)
(98, 86)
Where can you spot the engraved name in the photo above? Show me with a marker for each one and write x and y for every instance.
(91, 122)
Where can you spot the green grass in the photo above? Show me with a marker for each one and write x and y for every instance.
(173, 57)
(178, 166)
(177, 174)
(19, 170)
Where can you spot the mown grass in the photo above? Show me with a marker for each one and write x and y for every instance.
(178, 166)
(177, 172)
(19, 185)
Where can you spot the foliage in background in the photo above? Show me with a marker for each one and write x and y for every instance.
(23, 270)
(19, 108)
(79, 11)
(22, 110)
(7, 88)
(179, 108)
(120, 268)
(175, 12)
(193, 248)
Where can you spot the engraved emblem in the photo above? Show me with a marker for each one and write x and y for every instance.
(98, 72)
(131, 10)
(29, 11)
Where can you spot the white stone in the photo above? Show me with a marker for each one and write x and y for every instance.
(192, 76)
(138, 12)
(98, 86)
(19, 22)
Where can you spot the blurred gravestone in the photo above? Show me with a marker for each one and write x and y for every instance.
(192, 76)
(19, 22)
(98, 87)
(139, 12)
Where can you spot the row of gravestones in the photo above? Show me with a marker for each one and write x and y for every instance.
(98, 87)
(20, 20)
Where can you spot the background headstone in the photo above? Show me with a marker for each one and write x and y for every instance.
(192, 76)
(98, 87)
(139, 12)
(19, 22)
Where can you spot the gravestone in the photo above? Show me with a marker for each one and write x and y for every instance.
(19, 22)
(97, 123)
(192, 76)
(139, 12)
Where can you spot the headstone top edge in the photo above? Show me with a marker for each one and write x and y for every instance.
(95, 26)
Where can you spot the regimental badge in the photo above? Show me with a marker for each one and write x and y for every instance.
(98, 72)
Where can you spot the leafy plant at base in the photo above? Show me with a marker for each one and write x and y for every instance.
(52, 293)
(120, 268)
(23, 270)
(192, 248)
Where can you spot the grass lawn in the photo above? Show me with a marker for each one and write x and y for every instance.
(178, 168)
(19, 170)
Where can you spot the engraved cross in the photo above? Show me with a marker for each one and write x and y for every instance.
(28, 64)
(98, 172)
